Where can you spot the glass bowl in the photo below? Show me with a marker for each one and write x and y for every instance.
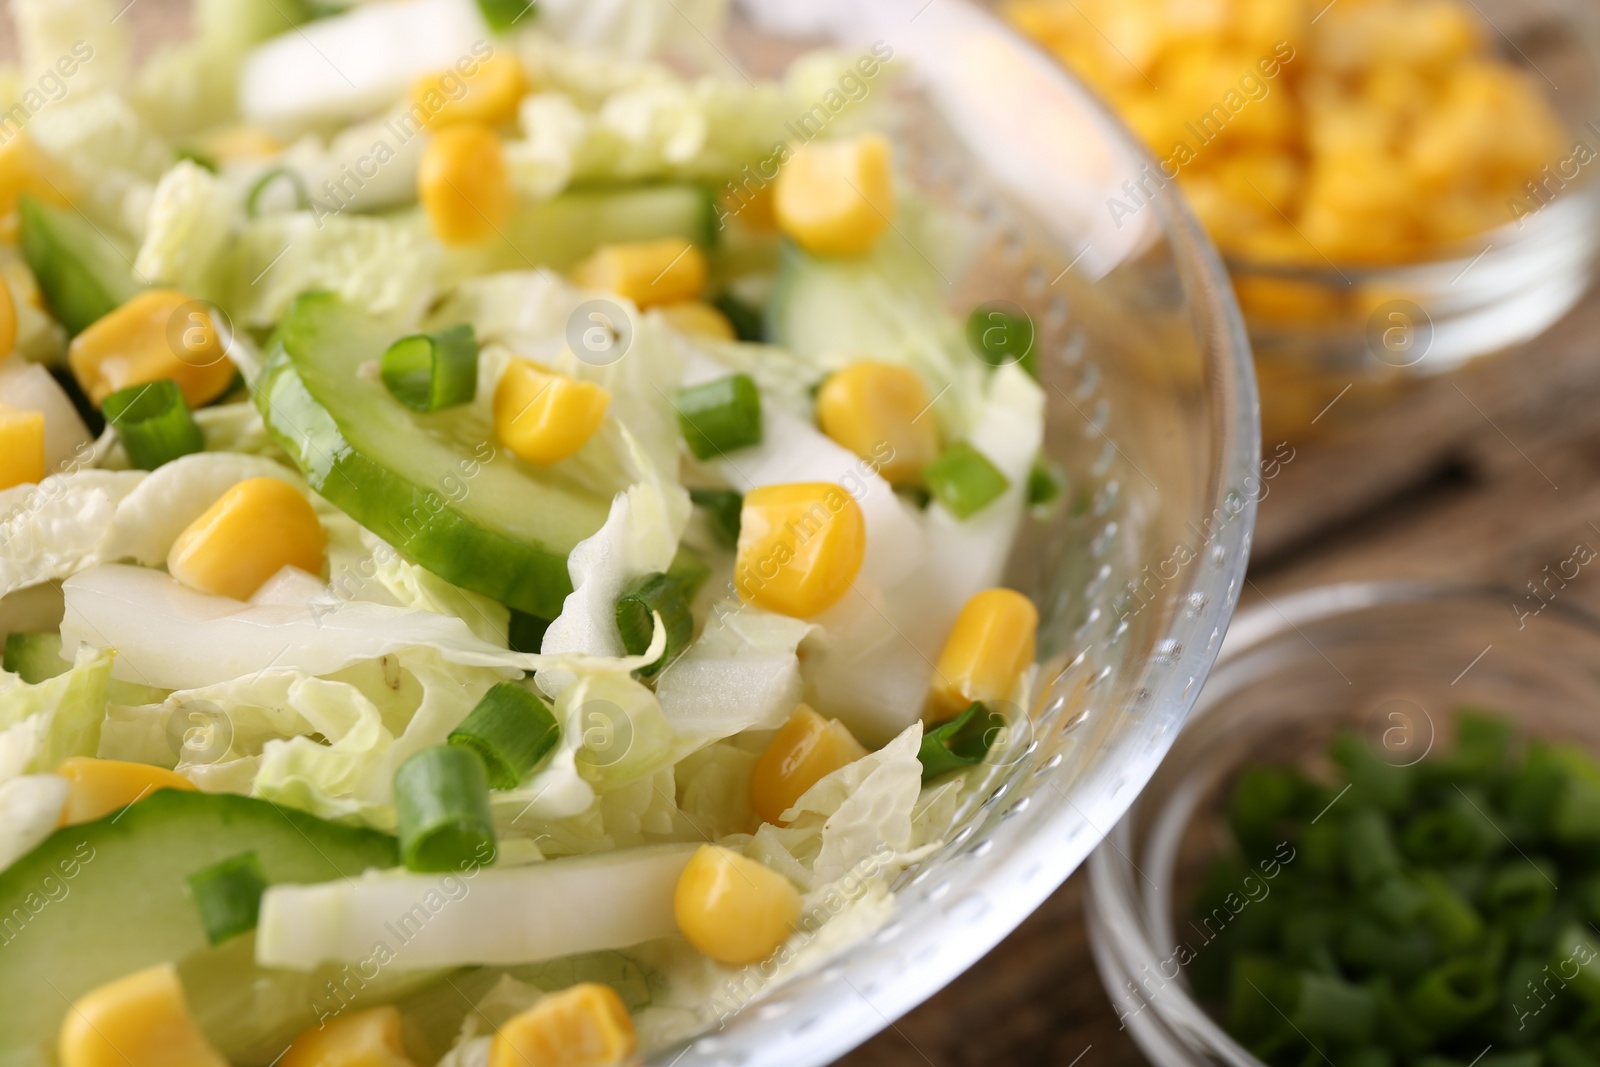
(1393, 660)
(1153, 415)
(1363, 336)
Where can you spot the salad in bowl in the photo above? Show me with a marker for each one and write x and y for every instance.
(501, 535)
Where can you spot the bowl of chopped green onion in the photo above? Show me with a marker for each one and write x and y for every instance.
(1374, 842)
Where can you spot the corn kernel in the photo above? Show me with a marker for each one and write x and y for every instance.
(583, 1026)
(805, 751)
(649, 273)
(141, 1019)
(21, 447)
(697, 318)
(878, 408)
(98, 787)
(544, 417)
(489, 95)
(989, 647)
(464, 184)
(253, 531)
(800, 547)
(836, 198)
(24, 170)
(147, 339)
(732, 908)
(366, 1039)
(8, 321)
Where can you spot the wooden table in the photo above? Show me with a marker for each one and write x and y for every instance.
(1488, 474)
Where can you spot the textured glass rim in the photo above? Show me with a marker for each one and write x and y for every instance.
(817, 1017)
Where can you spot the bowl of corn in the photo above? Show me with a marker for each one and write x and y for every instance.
(1397, 186)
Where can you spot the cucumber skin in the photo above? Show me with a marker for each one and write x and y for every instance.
(75, 265)
(528, 577)
(103, 899)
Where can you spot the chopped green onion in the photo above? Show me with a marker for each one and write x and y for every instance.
(1047, 485)
(961, 742)
(690, 572)
(1452, 994)
(197, 157)
(1521, 891)
(1001, 337)
(1369, 849)
(747, 321)
(511, 729)
(724, 506)
(636, 608)
(1333, 1008)
(430, 371)
(154, 423)
(501, 15)
(228, 896)
(964, 480)
(720, 416)
(441, 800)
(526, 633)
(252, 199)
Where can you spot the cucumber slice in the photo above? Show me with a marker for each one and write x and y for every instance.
(83, 272)
(107, 898)
(562, 230)
(37, 658)
(863, 305)
(508, 533)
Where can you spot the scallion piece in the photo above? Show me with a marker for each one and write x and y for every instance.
(228, 896)
(636, 608)
(1452, 994)
(441, 800)
(430, 371)
(720, 416)
(1047, 484)
(154, 423)
(964, 480)
(501, 15)
(961, 742)
(511, 729)
(724, 506)
(747, 321)
(690, 572)
(1002, 337)
(252, 199)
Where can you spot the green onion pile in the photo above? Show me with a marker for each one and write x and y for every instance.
(1443, 913)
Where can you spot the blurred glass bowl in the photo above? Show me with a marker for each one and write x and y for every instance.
(1391, 660)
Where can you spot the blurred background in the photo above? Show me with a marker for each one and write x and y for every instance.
(1404, 192)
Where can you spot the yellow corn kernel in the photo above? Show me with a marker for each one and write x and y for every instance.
(464, 184)
(544, 417)
(805, 751)
(241, 142)
(732, 908)
(366, 1039)
(253, 531)
(698, 318)
(835, 198)
(149, 338)
(98, 787)
(8, 320)
(24, 170)
(989, 647)
(880, 412)
(490, 94)
(141, 1019)
(649, 273)
(585, 1025)
(800, 547)
(21, 447)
